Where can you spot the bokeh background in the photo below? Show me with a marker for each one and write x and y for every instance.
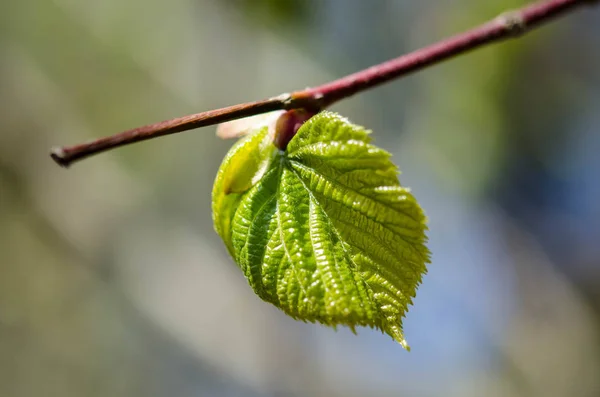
(113, 283)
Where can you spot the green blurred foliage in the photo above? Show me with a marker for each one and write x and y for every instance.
(274, 12)
(108, 271)
(466, 117)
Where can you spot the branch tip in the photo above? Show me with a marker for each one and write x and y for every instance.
(58, 155)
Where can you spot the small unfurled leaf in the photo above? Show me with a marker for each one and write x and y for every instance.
(323, 229)
(241, 127)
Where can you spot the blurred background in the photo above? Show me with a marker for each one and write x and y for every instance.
(113, 283)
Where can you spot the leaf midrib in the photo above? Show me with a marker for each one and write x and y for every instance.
(328, 218)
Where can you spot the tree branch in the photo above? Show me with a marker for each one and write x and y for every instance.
(508, 25)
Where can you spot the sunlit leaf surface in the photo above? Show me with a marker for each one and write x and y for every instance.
(323, 230)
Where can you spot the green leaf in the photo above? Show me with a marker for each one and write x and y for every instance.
(323, 230)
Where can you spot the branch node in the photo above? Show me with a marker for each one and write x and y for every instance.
(513, 22)
(285, 98)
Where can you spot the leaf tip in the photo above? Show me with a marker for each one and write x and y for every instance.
(404, 345)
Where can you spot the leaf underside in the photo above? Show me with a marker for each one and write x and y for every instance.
(323, 230)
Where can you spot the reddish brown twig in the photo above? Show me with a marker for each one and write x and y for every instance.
(507, 25)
